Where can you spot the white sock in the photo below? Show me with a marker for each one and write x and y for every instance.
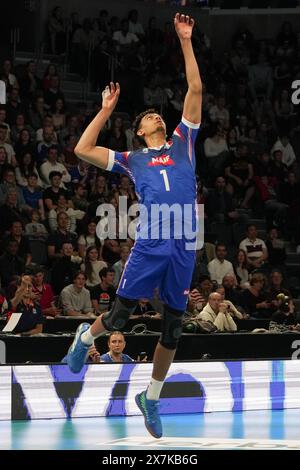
(87, 337)
(154, 389)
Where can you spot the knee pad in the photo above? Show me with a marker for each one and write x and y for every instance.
(117, 317)
(171, 327)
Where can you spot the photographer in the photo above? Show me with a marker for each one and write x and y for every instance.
(284, 319)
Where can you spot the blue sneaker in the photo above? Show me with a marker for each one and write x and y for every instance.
(149, 408)
(78, 350)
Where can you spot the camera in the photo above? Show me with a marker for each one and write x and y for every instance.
(284, 303)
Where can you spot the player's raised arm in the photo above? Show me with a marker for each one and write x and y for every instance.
(193, 100)
(86, 148)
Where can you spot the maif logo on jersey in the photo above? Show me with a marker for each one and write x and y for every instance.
(164, 160)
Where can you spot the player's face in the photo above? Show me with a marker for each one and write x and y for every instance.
(150, 124)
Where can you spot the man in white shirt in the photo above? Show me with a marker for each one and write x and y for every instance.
(254, 247)
(51, 164)
(219, 267)
(288, 154)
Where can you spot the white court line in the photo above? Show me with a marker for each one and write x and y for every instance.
(202, 443)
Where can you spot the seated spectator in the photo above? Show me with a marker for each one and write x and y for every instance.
(88, 238)
(52, 164)
(119, 266)
(232, 291)
(11, 264)
(79, 199)
(216, 312)
(240, 176)
(11, 157)
(10, 211)
(274, 209)
(288, 154)
(219, 267)
(92, 266)
(33, 195)
(52, 193)
(9, 182)
(16, 233)
(65, 267)
(219, 112)
(25, 169)
(32, 320)
(63, 206)
(198, 296)
(104, 294)
(145, 309)
(219, 204)
(216, 151)
(3, 303)
(234, 312)
(241, 269)
(276, 249)
(35, 230)
(276, 287)
(59, 237)
(254, 300)
(285, 318)
(116, 345)
(75, 299)
(43, 293)
(255, 248)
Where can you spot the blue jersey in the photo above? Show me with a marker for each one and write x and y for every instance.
(165, 183)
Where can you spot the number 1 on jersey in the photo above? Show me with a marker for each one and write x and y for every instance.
(166, 181)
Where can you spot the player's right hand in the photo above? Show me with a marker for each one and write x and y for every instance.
(110, 96)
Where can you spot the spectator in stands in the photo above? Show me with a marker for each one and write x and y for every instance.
(7, 74)
(219, 204)
(123, 38)
(53, 93)
(260, 79)
(48, 141)
(234, 312)
(50, 71)
(240, 175)
(63, 206)
(32, 320)
(52, 193)
(3, 162)
(3, 304)
(75, 298)
(37, 113)
(11, 156)
(16, 233)
(219, 112)
(89, 238)
(10, 210)
(119, 266)
(79, 199)
(30, 83)
(67, 264)
(58, 114)
(241, 269)
(219, 266)
(145, 309)
(104, 294)
(232, 292)
(9, 182)
(43, 293)
(216, 311)
(116, 345)
(35, 230)
(27, 167)
(254, 300)
(276, 249)
(255, 248)
(60, 236)
(276, 286)
(285, 318)
(33, 195)
(52, 164)
(56, 30)
(288, 155)
(11, 264)
(216, 150)
(92, 266)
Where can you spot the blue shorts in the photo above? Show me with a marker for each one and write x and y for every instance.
(163, 264)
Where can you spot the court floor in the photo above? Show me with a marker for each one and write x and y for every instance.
(278, 429)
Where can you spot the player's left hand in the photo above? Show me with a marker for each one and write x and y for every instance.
(184, 26)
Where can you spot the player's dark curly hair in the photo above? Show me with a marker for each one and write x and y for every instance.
(137, 121)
